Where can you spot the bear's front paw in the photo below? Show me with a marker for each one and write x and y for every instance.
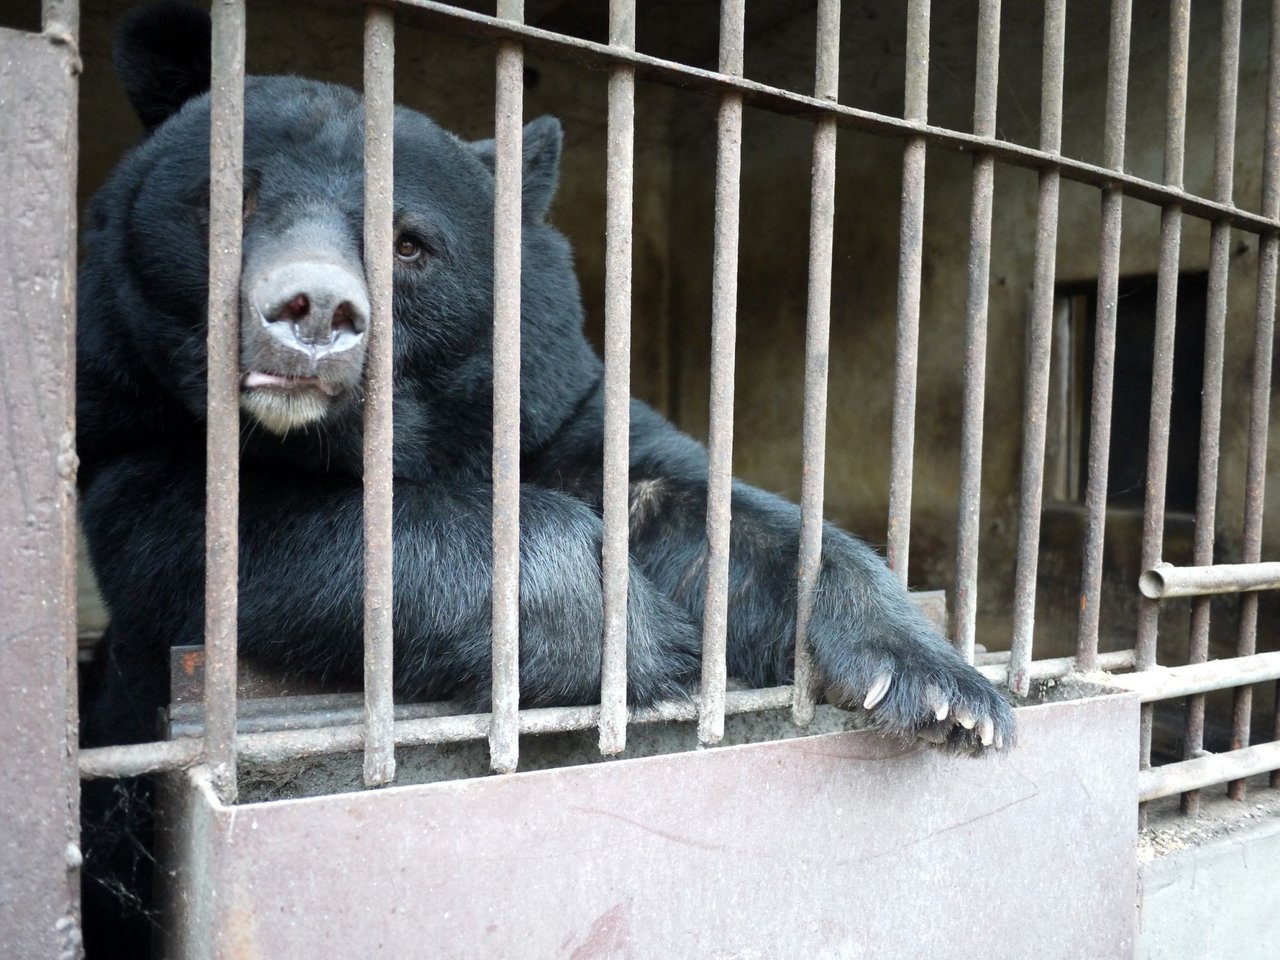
(923, 689)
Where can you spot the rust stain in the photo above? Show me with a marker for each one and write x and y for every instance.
(192, 662)
(607, 937)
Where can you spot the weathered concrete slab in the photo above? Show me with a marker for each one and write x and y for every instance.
(842, 845)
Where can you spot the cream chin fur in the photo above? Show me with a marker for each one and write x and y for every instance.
(283, 410)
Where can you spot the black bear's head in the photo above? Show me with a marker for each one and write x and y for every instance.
(304, 304)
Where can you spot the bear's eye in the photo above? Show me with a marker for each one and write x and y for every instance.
(408, 249)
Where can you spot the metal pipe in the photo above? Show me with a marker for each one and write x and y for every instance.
(222, 492)
(1055, 668)
(1165, 581)
(615, 555)
(1211, 387)
(965, 618)
(1037, 366)
(504, 742)
(61, 18)
(1260, 400)
(816, 352)
(379, 208)
(1166, 683)
(910, 265)
(1104, 340)
(1190, 775)
(724, 312)
(140, 759)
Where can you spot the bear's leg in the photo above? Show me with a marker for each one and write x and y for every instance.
(873, 651)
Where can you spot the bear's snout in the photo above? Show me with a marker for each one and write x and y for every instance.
(315, 308)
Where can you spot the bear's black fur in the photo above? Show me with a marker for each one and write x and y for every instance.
(141, 369)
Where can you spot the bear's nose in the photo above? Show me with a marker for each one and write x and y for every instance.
(319, 308)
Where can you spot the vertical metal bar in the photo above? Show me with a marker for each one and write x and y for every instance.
(504, 742)
(817, 341)
(379, 140)
(1260, 400)
(1037, 370)
(1162, 359)
(986, 81)
(1211, 388)
(724, 315)
(61, 18)
(1104, 340)
(226, 193)
(910, 259)
(617, 379)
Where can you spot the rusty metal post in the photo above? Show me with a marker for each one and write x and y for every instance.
(39, 796)
(379, 140)
(1260, 400)
(1211, 389)
(1162, 360)
(964, 623)
(616, 557)
(910, 264)
(724, 316)
(1037, 370)
(817, 341)
(504, 733)
(1104, 340)
(226, 195)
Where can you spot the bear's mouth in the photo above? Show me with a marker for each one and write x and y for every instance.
(263, 379)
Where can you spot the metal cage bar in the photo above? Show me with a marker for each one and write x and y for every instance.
(910, 264)
(1211, 388)
(1104, 339)
(986, 84)
(817, 344)
(1162, 356)
(504, 733)
(222, 496)
(1037, 363)
(615, 558)
(1260, 399)
(724, 315)
(379, 141)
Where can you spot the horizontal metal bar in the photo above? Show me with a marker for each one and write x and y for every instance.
(1053, 668)
(790, 103)
(136, 759)
(1165, 581)
(1166, 683)
(1206, 771)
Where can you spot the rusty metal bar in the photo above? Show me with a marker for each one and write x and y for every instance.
(1162, 358)
(61, 18)
(281, 745)
(1260, 400)
(724, 315)
(139, 759)
(1166, 683)
(1211, 387)
(1166, 581)
(1054, 668)
(1037, 364)
(986, 82)
(788, 103)
(616, 559)
(822, 213)
(1104, 339)
(1189, 776)
(226, 192)
(910, 263)
(504, 742)
(379, 208)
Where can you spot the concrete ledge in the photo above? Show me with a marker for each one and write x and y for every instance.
(1211, 887)
(840, 845)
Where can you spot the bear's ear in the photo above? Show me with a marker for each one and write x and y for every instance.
(542, 140)
(162, 58)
